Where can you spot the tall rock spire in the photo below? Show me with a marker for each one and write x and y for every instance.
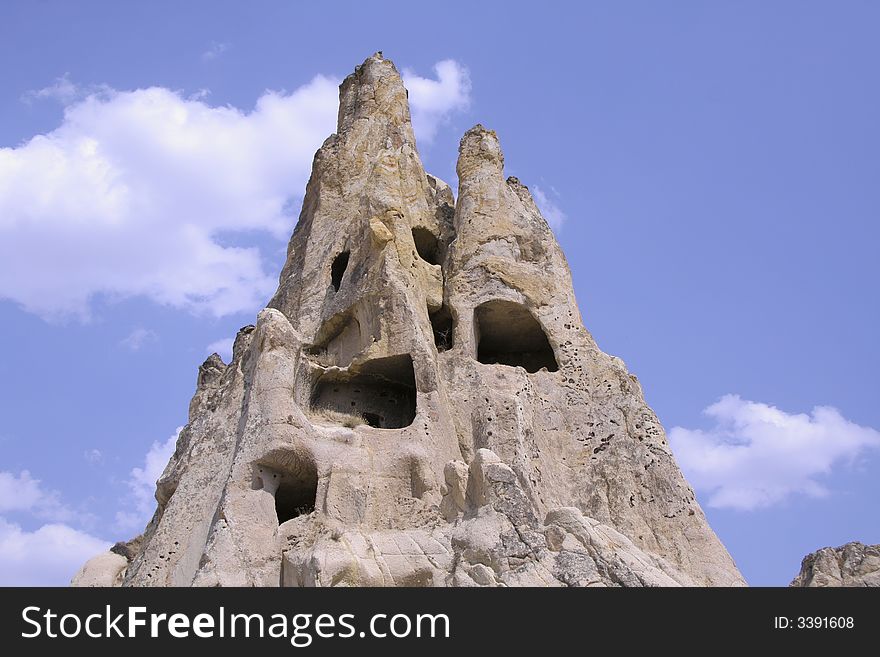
(420, 404)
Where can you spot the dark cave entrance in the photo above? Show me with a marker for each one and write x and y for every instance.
(427, 245)
(508, 334)
(443, 326)
(382, 392)
(337, 269)
(296, 496)
(295, 483)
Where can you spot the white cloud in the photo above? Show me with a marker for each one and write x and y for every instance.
(142, 485)
(223, 347)
(214, 51)
(49, 556)
(757, 455)
(128, 198)
(551, 212)
(20, 492)
(136, 193)
(432, 102)
(138, 338)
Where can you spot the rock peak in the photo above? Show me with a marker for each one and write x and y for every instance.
(420, 404)
(374, 91)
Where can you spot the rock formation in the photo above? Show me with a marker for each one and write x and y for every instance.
(853, 564)
(420, 403)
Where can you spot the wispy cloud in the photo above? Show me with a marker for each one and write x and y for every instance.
(63, 90)
(138, 338)
(757, 455)
(94, 456)
(214, 51)
(550, 211)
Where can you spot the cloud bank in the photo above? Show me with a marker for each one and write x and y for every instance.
(142, 193)
(49, 556)
(756, 455)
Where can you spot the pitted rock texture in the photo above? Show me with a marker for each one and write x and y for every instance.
(853, 564)
(420, 404)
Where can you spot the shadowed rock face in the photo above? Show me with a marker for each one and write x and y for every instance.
(420, 404)
(853, 564)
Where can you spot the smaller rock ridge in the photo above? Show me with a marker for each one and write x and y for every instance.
(853, 564)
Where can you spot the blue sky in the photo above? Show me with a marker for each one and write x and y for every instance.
(711, 170)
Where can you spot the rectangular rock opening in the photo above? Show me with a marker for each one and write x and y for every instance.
(508, 334)
(380, 393)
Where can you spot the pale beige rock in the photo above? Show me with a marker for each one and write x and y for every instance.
(107, 569)
(420, 404)
(853, 564)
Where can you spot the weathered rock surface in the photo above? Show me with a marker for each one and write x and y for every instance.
(420, 404)
(853, 564)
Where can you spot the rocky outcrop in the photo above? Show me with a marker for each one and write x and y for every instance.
(496, 541)
(853, 564)
(420, 404)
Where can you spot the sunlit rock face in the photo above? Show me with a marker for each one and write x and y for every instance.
(420, 403)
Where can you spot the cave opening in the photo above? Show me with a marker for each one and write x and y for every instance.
(380, 393)
(293, 482)
(295, 497)
(373, 419)
(427, 245)
(337, 269)
(508, 334)
(443, 326)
